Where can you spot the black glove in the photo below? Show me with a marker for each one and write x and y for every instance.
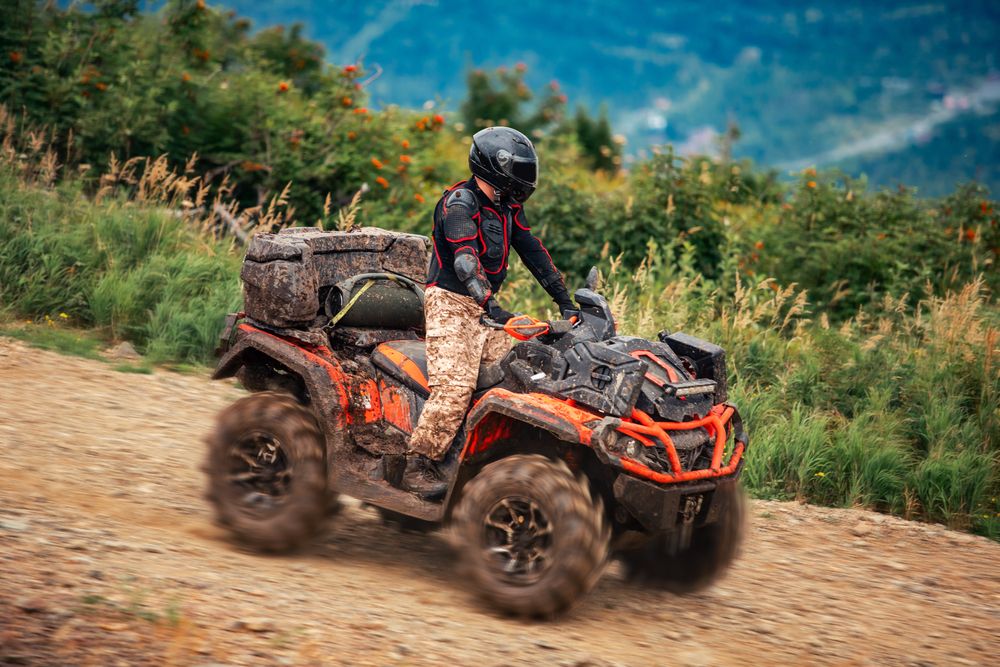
(496, 313)
(568, 312)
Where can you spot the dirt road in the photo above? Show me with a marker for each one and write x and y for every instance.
(108, 556)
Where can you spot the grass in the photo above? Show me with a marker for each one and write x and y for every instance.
(84, 343)
(134, 272)
(74, 342)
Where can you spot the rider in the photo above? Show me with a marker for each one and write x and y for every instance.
(476, 223)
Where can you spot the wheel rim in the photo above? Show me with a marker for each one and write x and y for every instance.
(518, 539)
(260, 471)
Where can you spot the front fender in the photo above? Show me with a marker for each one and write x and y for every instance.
(491, 418)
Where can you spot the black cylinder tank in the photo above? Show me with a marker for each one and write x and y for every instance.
(380, 304)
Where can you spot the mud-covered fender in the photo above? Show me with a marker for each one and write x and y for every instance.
(492, 418)
(324, 378)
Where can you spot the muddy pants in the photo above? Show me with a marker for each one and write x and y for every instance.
(456, 345)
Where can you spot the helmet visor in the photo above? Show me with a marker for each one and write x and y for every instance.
(525, 170)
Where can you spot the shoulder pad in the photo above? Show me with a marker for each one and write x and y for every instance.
(463, 197)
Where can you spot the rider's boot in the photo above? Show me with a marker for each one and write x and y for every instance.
(425, 477)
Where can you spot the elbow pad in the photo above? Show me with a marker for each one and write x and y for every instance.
(470, 272)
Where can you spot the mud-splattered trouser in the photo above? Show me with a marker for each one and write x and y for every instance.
(456, 345)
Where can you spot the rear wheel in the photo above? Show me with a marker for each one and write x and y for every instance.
(713, 548)
(531, 538)
(266, 475)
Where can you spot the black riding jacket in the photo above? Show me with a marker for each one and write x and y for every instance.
(467, 222)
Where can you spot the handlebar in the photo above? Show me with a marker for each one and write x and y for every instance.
(525, 327)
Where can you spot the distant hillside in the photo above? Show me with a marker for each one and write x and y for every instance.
(802, 82)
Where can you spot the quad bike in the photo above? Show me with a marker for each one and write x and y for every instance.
(580, 445)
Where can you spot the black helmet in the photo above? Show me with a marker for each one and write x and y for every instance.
(505, 158)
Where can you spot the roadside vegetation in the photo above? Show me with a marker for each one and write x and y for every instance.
(862, 327)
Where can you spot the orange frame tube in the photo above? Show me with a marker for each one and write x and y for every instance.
(646, 430)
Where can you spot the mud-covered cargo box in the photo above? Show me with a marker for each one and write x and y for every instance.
(284, 274)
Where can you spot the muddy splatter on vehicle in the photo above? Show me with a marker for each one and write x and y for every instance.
(579, 446)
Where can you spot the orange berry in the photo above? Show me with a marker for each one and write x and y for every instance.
(361, 110)
(346, 101)
(405, 144)
(381, 181)
(283, 87)
(405, 159)
(15, 57)
(376, 163)
(970, 234)
(101, 86)
(811, 184)
(438, 118)
(810, 172)
(185, 77)
(759, 245)
(352, 135)
(350, 69)
(419, 197)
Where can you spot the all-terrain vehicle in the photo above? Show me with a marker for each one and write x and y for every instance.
(579, 445)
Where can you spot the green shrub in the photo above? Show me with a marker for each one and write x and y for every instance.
(133, 271)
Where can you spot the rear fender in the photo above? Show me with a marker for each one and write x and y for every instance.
(321, 373)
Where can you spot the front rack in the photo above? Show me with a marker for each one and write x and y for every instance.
(646, 431)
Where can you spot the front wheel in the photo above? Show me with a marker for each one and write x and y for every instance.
(531, 538)
(266, 476)
(713, 548)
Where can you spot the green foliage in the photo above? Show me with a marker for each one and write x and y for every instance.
(260, 111)
(596, 139)
(502, 97)
(132, 271)
(889, 243)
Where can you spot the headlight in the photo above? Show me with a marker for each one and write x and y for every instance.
(633, 449)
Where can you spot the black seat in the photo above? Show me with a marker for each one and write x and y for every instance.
(406, 360)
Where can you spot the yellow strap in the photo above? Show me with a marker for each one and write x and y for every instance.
(354, 299)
